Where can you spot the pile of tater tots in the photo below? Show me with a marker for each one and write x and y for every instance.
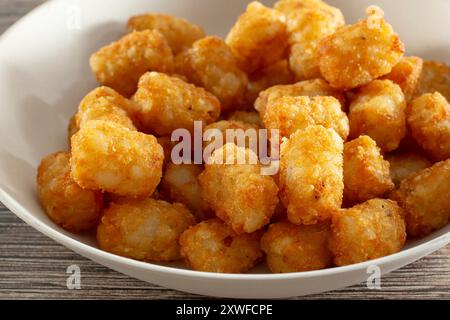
(364, 130)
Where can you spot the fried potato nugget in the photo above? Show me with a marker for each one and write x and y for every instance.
(429, 122)
(425, 196)
(289, 6)
(406, 74)
(404, 164)
(104, 103)
(306, 28)
(357, 54)
(180, 33)
(311, 174)
(366, 173)
(258, 38)
(167, 103)
(310, 88)
(212, 246)
(249, 117)
(367, 231)
(289, 114)
(109, 157)
(73, 208)
(121, 64)
(378, 110)
(275, 74)
(435, 77)
(210, 64)
(146, 230)
(292, 248)
(180, 184)
(238, 193)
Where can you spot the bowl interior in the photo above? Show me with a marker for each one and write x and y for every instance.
(44, 72)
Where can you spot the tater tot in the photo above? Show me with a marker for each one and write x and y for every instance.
(310, 88)
(425, 196)
(311, 174)
(210, 64)
(435, 77)
(258, 38)
(104, 103)
(238, 193)
(146, 230)
(357, 54)
(250, 117)
(366, 173)
(406, 74)
(289, 114)
(73, 208)
(180, 33)
(275, 74)
(367, 231)
(289, 6)
(121, 64)
(180, 184)
(306, 28)
(404, 164)
(212, 246)
(112, 158)
(378, 110)
(429, 122)
(292, 248)
(167, 103)
(224, 125)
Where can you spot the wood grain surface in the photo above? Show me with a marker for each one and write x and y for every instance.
(34, 266)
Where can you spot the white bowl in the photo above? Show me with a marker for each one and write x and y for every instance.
(44, 73)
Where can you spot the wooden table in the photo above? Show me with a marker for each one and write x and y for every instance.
(34, 266)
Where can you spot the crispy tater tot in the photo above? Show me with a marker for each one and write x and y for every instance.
(357, 54)
(404, 164)
(258, 38)
(311, 174)
(180, 184)
(210, 64)
(146, 230)
(306, 28)
(168, 103)
(292, 248)
(104, 103)
(429, 122)
(212, 246)
(366, 173)
(435, 77)
(238, 193)
(275, 74)
(310, 88)
(289, 6)
(367, 231)
(73, 208)
(250, 117)
(180, 33)
(289, 114)
(121, 64)
(406, 74)
(109, 157)
(378, 110)
(425, 195)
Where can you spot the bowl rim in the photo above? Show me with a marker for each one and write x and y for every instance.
(84, 249)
